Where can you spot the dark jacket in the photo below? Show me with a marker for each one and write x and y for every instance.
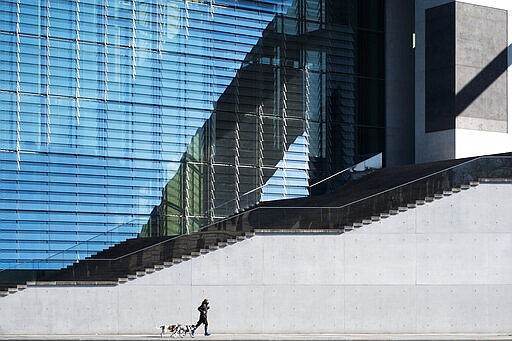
(203, 310)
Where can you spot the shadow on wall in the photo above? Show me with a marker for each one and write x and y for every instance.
(490, 73)
(466, 59)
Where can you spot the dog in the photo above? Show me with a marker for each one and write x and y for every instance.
(171, 328)
(177, 330)
(186, 328)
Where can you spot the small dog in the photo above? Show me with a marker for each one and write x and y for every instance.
(186, 328)
(171, 328)
(177, 329)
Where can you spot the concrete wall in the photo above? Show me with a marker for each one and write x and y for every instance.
(483, 127)
(442, 267)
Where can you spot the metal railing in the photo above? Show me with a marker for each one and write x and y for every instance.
(79, 248)
(368, 202)
(245, 201)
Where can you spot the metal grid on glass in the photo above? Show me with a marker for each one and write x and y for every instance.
(125, 117)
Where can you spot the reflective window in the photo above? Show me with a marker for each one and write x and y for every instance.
(141, 118)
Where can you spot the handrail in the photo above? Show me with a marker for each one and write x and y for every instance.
(331, 176)
(139, 250)
(343, 171)
(448, 168)
(38, 260)
(309, 186)
(470, 160)
(386, 190)
(243, 195)
(369, 196)
(164, 241)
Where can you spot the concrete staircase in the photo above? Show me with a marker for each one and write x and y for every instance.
(111, 266)
(408, 206)
(377, 196)
(117, 270)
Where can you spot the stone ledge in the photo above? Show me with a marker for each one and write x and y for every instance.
(496, 180)
(72, 283)
(299, 231)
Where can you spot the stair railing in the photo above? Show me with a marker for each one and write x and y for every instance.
(241, 222)
(78, 247)
(305, 218)
(375, 160)
(313, 218)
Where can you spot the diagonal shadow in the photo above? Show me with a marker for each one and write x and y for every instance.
(490, 73)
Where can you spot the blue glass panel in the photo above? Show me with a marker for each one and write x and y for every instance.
(127, 104)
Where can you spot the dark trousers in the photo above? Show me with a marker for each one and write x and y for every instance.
(204, 321)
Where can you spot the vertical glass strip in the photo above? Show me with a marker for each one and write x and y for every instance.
(77, 60)
(18, 99)
(186, 20)
(237, 145)
(105, 50)
(133, 43)
(48, 73)
(260, 147)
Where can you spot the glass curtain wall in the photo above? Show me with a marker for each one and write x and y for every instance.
(128, 117)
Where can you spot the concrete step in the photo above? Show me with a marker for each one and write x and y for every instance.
(240, 238)
(420, 202)
(402, 208)
(159, 267)
(438, 196)
(411, 206)
(203, 251)
(222, 244)
(357, 225)
(195, 253)
(131, 276)
(429, 199)
(384, 215)
(149, 270)
(4, 293)
(393, 212)
(140, 273)
(447, 193)
(177, 260)
(464, 187)
(45, 283)
(186, 257)
(231, 241)
(122, 280)
(89, 283)
(375, 217)
(366, 221)
(474, 183)
(348, 228)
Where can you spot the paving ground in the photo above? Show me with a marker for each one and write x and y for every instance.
(246, 337)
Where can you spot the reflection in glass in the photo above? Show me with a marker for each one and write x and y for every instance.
(131, 118)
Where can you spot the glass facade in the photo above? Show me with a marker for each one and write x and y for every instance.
(122, 118)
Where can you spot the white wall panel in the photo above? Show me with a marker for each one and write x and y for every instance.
(443, 267)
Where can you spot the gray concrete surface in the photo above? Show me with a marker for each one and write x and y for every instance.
(478, 131)
(440, 268)
(481, 85)
(257, 336)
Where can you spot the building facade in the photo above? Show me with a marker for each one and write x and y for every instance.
(124, 118)
(462, 88)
